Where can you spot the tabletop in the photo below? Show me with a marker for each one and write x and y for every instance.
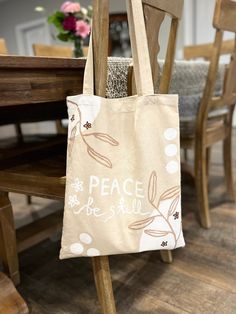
(36, 81)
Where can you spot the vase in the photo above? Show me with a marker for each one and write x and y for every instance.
(78, 48)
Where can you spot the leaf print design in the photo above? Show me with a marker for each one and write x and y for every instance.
(170, 193)
(140, 224)
(101, 136)
(105, 138)
(173, 206)
(173, 192)
(152, 187)
(72, 139)
(156, 233)
(99, 158)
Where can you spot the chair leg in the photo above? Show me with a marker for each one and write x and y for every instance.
(227, 157)
(200, 165)
(8, 251)
(102, 276)
(208, 162)
(29, 200)
(166, 256)
(185, 154)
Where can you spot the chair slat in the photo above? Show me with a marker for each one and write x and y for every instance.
(224, 16)
(173, 8)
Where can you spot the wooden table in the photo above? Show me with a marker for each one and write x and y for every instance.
(41, 84)
(35, 88)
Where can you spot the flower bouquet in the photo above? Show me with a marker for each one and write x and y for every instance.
(73, 23)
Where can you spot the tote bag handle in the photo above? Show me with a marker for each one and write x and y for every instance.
(139, 48)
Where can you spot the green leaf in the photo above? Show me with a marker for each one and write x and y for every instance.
(63, 37)
(57, 16)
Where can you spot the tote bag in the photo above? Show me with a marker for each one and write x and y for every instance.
(123, 164)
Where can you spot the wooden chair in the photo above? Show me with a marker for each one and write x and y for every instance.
(3, 47)
(213, 122)
(205, 50)
(41, 50)
(49, 81)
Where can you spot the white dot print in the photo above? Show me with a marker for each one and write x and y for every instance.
(93, 252)
(84, 246)
(172, 167)
(170, 134)
(76, 248)
(85, 238)
(171, 150)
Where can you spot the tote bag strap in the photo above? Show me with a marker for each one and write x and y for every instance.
(140, 53)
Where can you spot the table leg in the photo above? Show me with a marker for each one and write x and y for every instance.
(8, 251)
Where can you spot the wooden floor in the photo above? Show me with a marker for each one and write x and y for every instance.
(202, 278)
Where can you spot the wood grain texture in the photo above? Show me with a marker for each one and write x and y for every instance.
(8, 239)
(10, 300)
(101, 269)
(100, 28)
(34, 85)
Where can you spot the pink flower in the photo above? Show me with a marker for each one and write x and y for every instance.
(69, 23)
(82, 29)
(70, 7)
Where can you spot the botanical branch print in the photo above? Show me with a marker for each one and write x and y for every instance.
(104, 137)
(172, 193)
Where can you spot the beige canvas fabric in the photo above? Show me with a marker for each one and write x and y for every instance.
(123, 166)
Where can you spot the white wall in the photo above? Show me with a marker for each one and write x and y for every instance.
(15, 12)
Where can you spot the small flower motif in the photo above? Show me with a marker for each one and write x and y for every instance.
(164, 243)
(72, 118)
(73, 201)
(78, 185)
(176, 215)
(87, 125)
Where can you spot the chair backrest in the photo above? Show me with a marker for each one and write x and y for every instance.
(3, 47)
(154, 13)
(224, 20)
(205, 50)
(41, 50)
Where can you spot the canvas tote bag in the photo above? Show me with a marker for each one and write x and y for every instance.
(123, 164)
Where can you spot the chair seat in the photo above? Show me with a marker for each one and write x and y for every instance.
(187, 124)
